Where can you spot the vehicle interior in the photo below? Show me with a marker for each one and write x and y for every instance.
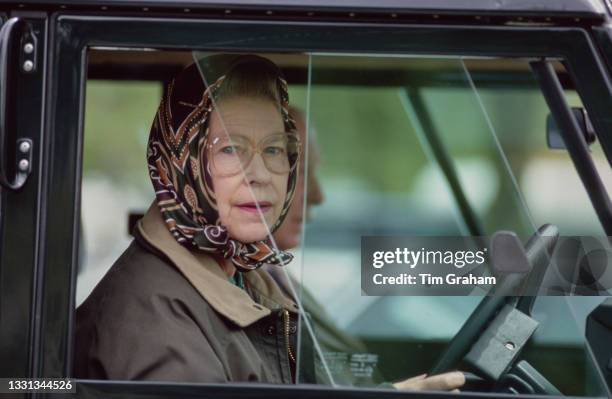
(405, 146)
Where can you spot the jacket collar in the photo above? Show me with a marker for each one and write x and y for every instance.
(205, 275)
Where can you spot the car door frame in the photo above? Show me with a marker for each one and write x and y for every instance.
(20, 216)
(73, 33)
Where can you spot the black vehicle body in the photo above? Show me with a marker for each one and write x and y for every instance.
(39, 222)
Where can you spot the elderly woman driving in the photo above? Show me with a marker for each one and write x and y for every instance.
(222, 159)
(187, 301)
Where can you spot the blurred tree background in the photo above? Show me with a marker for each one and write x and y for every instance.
(118, 116)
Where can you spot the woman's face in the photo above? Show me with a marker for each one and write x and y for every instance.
(237, 195)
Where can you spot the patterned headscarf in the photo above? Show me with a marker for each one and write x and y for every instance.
(178, 168)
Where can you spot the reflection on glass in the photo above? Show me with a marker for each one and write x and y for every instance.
(382, 175)
(381, 146)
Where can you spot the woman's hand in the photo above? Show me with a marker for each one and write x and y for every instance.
(451, 381)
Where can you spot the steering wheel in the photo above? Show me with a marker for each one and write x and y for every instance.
(537, 251)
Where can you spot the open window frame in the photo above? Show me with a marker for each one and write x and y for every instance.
(72, 35)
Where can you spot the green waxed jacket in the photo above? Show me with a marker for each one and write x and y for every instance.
(165, 313)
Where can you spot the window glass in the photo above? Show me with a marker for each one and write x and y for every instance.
(549, 185)
(552, 192)
(381, 174)
(378, 177)
(380, 145)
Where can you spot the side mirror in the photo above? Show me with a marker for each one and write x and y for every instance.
(554, 139)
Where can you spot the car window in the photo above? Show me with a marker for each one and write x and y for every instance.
(381, 138)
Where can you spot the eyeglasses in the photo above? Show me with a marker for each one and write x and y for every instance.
(231, 154)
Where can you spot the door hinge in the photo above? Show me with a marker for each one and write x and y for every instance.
(28, 51)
